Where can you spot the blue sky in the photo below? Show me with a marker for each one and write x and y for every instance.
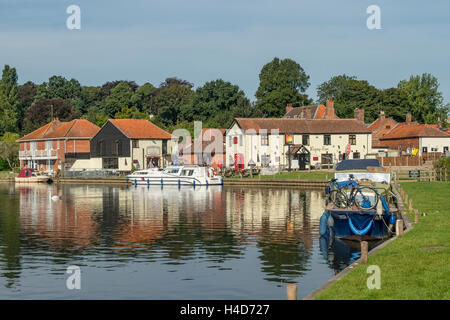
(200, 40)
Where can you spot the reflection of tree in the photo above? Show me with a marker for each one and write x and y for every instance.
(9, 237)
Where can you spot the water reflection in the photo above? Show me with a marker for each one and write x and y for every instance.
(272, 233)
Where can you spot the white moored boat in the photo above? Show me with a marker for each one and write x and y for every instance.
(177, 175)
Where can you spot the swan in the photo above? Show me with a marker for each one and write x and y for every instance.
(54, 198)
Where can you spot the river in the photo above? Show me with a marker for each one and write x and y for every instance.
(163, 243)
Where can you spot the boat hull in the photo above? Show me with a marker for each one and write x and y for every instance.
(32, 180)
(175, 181)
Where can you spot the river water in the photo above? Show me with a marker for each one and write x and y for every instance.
(163, 243)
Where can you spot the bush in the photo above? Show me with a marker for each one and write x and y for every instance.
(442, 164)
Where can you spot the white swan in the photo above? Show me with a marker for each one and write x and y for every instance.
(54, 198)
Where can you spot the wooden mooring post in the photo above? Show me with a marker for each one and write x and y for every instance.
(410, 205)
(364, 252)
(291, 291)
(399, 228)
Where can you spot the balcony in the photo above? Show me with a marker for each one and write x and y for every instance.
(37, 154)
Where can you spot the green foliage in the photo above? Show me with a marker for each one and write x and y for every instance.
(130, 113)
(9, 149)
(142, 97)
(8, 100)
(216, 103)
(442, 164)
(120, 97)
(281, 82)
(423, 97)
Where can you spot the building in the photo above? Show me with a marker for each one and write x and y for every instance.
(297, 142)
(207, 150)
(123, 143)
(380, 127)
(425, 138)
(57, 145)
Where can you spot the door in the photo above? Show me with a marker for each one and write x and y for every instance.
(303, 160)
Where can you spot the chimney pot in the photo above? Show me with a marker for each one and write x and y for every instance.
(382, 116)
(288, 107)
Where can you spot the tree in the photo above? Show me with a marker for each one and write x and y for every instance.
(141, 99)
(9, 148)
(120, 97)
(170, 100)
(423, 96)
(8, 100)
(333, 87)
(130, 113)
(25, 96)
(106, 88)
(281, 82)
(216, 102)
(43, 111)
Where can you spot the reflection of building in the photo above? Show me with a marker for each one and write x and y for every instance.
(123, 143)
(56, 144)
(303, 141)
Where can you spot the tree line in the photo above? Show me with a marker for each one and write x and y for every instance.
(176, 104)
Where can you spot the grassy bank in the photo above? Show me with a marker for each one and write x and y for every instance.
(302, 175)
(7, 175)
(415, 266)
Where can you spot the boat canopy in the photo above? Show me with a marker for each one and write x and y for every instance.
(357, 164)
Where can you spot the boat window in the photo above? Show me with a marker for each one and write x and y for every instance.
(187, 172)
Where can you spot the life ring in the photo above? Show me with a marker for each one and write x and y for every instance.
(214, 171)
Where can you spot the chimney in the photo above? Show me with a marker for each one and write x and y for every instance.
(382, 116)
(288, 107)
(408, 118)
(308, 114)
(330, 109)
(439, 123)
(359, 114)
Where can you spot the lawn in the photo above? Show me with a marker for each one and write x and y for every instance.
(416, 266)
(303, 175)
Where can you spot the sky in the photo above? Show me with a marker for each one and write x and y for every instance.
(204, 40)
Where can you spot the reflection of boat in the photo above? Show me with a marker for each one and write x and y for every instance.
(30, 176)
(349, 222)
(176, 175)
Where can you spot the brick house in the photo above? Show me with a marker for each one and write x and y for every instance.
(380, 127)
(209, 150)
(409, 135)
(57, 145)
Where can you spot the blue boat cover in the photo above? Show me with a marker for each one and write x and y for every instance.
(357, 164)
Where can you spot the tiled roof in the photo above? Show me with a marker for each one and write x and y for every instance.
(78, 128)
(316, 112)
(414, 130)
(288, 125)
(140, 129)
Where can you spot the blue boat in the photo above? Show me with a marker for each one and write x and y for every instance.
(373, 222)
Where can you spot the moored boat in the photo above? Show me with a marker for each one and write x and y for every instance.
(176, 175)
(361, 203)
(30, 176)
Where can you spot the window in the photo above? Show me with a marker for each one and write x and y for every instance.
(135, 143)
(356, 155)
(101, 148)
(235, 140)
(305, 139)
(424, 149)
(326, 139)
(327, 158)
(445, 149)
(434, 149)
(110, 163)
(164, 147)
(115, 147)
(352, 139)
(48, 145)
(241, 141)
(264, 140)
(388, 127)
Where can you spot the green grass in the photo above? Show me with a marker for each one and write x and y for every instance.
(410, 268)
(303, 175)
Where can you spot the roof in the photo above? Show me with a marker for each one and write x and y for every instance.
(78, 128)
(414, 130)
(357, 164)
(315, 112)
(294, 125)
(140, 129)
